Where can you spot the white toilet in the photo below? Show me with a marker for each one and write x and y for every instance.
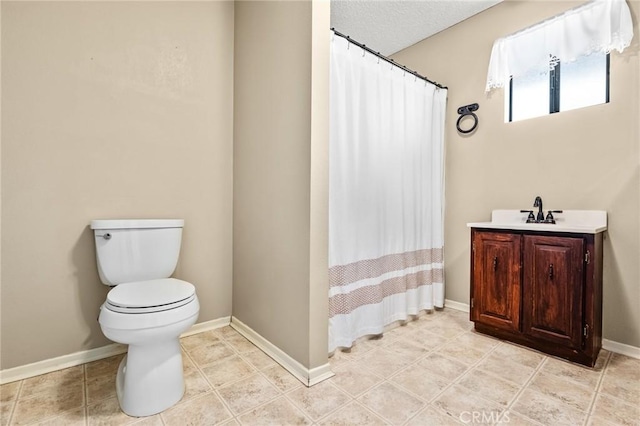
(146, 310)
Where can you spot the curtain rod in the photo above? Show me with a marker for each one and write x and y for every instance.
(389, 60)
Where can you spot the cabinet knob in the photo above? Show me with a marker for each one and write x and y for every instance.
(551, 271)
(495, 262)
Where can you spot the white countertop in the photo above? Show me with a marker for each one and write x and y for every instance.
(576, 221)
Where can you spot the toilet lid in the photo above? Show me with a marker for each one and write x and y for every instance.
(150, 296)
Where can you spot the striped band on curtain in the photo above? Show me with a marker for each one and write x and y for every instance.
(369, 281)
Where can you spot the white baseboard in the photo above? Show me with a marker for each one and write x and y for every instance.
(464, 307)
(59, 363)
(621, 348)
(71, 360)
(206, 326)
(308, 377)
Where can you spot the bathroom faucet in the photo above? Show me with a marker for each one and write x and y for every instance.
(538, 203)
(532, 218)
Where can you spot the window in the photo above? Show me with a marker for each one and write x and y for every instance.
(566, 86)
(520, 62)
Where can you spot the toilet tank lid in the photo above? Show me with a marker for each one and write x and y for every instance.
(136, 223)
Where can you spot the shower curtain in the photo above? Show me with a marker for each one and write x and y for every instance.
(386, 194)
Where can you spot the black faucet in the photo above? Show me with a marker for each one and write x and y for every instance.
(538, 203)
(540, 218)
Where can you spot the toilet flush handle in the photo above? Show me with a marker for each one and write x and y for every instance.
(106, 236)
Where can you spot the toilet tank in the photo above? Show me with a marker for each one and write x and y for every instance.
(136, 249)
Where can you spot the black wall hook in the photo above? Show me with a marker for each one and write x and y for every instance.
(465, 111)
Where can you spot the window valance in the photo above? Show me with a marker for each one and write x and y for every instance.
(598, 26)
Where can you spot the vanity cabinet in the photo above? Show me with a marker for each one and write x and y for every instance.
(539, 289)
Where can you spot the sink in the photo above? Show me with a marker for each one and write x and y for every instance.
(576, 221)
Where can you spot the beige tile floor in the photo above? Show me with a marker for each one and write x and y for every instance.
(434, 370)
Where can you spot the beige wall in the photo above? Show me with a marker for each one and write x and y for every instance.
(280, 184)
(109, 110)
(113, 110)
(319, 188)
(582, 159)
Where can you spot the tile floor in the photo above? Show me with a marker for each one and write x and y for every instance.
(434, 370)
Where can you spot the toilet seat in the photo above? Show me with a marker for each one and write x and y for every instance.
(144, 297)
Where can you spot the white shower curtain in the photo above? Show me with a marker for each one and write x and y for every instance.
(386, 196)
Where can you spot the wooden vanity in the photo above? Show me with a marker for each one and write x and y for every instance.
(540, 285)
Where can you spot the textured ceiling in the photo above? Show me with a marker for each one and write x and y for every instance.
(389, 26)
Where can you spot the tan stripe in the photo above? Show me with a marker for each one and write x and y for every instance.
(370, 268)
(341, 304)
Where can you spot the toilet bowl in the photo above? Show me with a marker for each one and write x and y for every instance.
(146, 310)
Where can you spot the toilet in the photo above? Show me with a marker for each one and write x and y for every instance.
(146, 309)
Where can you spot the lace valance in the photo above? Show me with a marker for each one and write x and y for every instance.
(598, 26)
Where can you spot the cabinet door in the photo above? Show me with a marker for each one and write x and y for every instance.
(552, 289)
(496, 280)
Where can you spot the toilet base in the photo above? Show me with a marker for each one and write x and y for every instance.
(150, 378)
